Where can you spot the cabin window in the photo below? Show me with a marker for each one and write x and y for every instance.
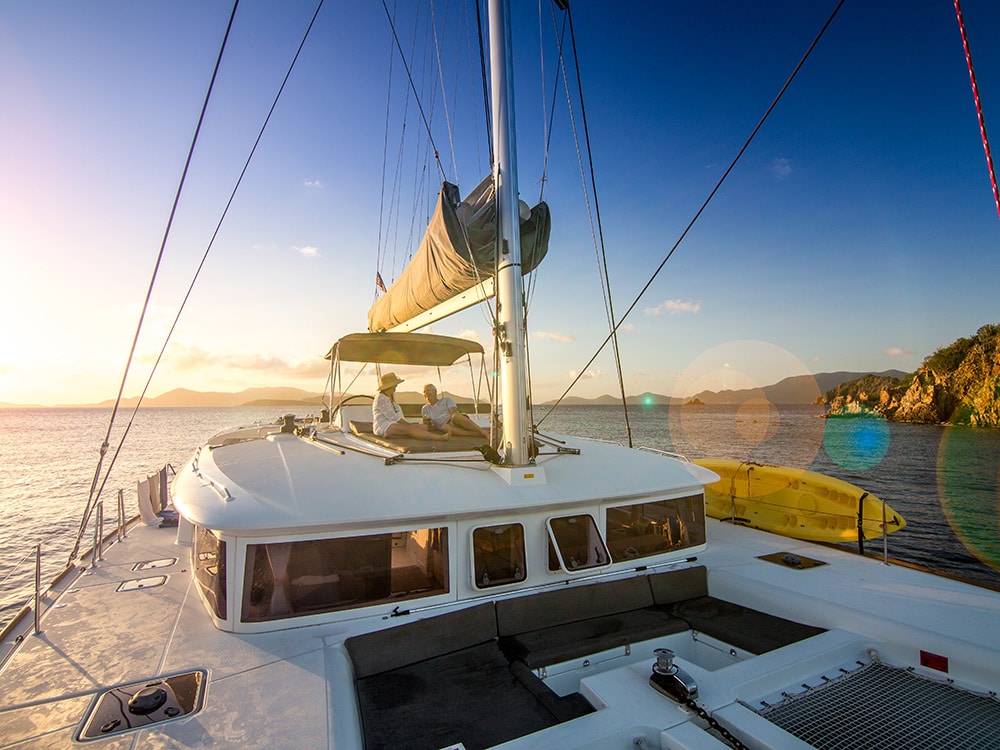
(575, 544)
(210, 570)
(498, 555)
(292, 579)
(656, 527)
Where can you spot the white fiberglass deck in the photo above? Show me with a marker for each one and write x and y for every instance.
(294, 688)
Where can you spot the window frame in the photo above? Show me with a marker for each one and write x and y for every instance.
(698, 505)
(555, 547)
(437, 543)
(473, 549)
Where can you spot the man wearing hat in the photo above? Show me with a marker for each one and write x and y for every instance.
(387, 417)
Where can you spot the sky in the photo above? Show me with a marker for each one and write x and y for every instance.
(858, 232)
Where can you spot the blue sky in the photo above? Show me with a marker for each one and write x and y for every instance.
(858, 232)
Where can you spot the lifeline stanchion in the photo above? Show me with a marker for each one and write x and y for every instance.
(121, 513)
(38, 584)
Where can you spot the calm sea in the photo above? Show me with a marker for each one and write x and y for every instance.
(944, 481)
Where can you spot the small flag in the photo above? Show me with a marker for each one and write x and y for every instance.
(378, 281)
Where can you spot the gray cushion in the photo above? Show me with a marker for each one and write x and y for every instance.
(573, 640)
(679, 585)
(739, 626)
(571, 604)
(392, 648)
(469, 696)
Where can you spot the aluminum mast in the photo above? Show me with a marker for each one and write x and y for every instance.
(511, 334)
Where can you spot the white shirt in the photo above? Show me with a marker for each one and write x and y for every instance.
(439, 413)
(385, 413)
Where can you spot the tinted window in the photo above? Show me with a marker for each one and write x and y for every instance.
(579, 543)
(291, 579)
(498, 555)
(653, 528)
(210, 570)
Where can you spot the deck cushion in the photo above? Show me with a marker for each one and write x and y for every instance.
(739, 626)
(568, 623)
(571, 604)
(573, 640)
(414, 642)
(679, 585)
(469, 696)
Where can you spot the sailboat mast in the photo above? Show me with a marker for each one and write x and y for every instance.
(510, 336)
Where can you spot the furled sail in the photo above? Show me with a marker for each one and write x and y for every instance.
(457, 253)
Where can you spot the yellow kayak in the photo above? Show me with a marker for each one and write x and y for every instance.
(794, 502)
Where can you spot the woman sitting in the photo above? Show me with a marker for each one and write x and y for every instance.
(387, 417)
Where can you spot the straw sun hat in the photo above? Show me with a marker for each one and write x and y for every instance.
(387, 381)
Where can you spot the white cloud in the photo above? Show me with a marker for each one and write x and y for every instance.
(895, 351)
(781, 168)
(313, 184)
(554, 336)
(195, 359)
(588, 375)
(674, 306)
(309, 251)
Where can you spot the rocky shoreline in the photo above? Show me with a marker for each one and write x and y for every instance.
(959, 384)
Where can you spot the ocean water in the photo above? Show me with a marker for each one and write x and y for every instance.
(944, 481)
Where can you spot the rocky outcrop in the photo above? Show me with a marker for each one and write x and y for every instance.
(958, 384)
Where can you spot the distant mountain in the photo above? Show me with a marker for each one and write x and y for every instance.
(215, 399)
(609, 400)
(799, 389)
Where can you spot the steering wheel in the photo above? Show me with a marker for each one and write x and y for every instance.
(348, 400)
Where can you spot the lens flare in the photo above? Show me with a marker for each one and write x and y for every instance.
(857, 442)
(968, 477)
(729, 409)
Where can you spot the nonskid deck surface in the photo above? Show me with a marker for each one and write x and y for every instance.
(297, 687)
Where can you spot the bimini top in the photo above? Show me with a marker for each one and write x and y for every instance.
(403, 349)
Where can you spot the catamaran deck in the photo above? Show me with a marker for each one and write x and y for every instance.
(295, 688)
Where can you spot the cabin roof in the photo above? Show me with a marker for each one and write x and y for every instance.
(289, 484)
(403, 349)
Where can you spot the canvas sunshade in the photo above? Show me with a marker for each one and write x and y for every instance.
(426, 349)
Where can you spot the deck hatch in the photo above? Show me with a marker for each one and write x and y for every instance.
(143, 704)
(877, 705)
(165, 562)
(142, 583)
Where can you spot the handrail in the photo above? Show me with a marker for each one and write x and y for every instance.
(95, 553)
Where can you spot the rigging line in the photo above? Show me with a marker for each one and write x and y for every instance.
(385, 161)
(543, 182)
(395, 199)
(444, 93)
(467, 69)
(555, 93)
(704, 204)
(541, 82)
(600, 229)
(152, 280)
(486, 91)
(406, 67)
(979, 106)
(211, 243)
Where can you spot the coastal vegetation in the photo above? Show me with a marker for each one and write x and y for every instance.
(957, 384)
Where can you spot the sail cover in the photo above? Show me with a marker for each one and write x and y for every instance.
(457, 253)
